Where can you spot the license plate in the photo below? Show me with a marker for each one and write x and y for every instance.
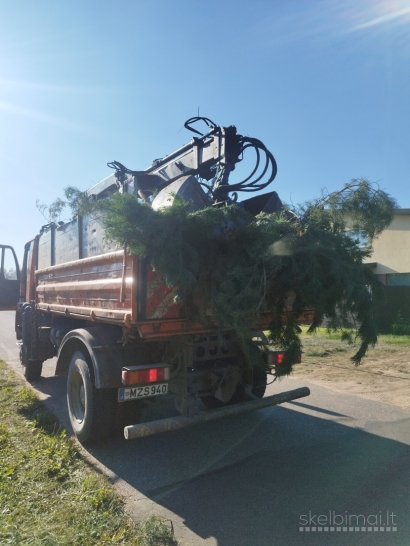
(132, 393)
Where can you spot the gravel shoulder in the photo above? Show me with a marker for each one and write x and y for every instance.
(383, 375)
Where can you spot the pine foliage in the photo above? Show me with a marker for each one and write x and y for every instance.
(234, 266)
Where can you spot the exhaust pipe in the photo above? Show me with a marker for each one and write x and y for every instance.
(175, 423)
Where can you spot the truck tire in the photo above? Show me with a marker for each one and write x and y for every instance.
(31, 368)
(91, 410)
(260, 379)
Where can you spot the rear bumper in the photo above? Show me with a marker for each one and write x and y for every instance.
(174, 423)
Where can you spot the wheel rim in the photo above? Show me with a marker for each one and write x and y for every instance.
(78, 397)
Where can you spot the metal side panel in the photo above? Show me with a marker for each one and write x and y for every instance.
(66, 243)
(46, 248)
(93, 240)
(101, 287)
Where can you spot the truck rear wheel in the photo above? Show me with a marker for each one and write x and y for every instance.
(260, 379)
(31, 368)
(90, 409)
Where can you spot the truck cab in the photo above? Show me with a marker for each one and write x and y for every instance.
(9, 278)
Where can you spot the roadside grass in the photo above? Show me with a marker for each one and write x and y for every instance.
(322, 334)
(400, 341)
(49, 494)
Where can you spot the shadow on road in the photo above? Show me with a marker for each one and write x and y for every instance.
(250, 480)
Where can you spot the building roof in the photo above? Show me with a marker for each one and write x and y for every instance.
(401, 211)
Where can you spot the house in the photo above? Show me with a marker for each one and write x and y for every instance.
(390, 262)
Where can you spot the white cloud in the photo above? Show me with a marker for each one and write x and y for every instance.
(55, 87)
(44, 118)
(387, 17)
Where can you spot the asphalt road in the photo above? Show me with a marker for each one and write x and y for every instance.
(264, 478)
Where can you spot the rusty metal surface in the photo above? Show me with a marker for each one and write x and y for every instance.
(154, 427)
(108, 288)
(100, 287)
(109, 257)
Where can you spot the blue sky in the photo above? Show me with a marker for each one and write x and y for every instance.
(324, 84)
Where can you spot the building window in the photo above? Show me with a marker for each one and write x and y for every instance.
(398, 279)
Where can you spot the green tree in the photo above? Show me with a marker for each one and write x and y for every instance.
(79, 202)
(239, 266)
(235, 267)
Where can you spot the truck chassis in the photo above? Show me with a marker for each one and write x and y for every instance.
(117, 330)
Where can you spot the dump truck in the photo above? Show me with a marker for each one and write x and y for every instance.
(116, 328)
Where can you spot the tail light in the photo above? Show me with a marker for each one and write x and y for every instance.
(152, 373)
(276, 358)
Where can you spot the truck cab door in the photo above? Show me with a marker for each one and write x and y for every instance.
(9, 278)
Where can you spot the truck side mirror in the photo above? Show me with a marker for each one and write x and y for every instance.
(9, 278)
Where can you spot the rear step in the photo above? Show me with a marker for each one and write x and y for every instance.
(174, 423)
